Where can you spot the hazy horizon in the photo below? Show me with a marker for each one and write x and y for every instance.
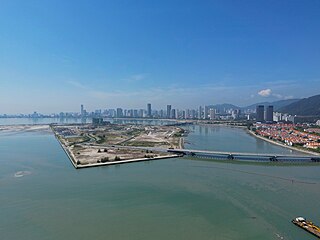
(58, 55)
(128, 108)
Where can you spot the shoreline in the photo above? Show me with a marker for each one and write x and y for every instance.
(126, 161)
(282, 144)
(220, 125)
(72, 160)
(182, 141)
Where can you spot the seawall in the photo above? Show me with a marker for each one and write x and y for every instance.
(126, 161)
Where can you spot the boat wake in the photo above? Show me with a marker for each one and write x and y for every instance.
(21, 174)
(279, 236)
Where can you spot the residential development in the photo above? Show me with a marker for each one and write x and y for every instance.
(298, 135)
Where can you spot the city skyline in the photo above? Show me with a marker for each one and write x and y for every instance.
(206, 112)
(190, 54)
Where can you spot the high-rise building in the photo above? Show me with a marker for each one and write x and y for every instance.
(183, 116)
(130, 113)
(206, 112)
(112, 113)
(236, 113)
(187, 113)
(140, 113)
(277, 117)
(269, 114)
(212, 114)
(119, 112)
(200, 112)
(149, 109)
(193, 114)
(82, 110)
(168, 111)
(135, 113)
(161, 113)
(173, 114)
(260, 113)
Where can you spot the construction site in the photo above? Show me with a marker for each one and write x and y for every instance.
(94, 145)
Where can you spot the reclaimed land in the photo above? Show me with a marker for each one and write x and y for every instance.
(88, 145)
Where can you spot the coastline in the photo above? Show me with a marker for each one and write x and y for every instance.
(71, 158)
(282, 145)
(219, 125)
(126, 161)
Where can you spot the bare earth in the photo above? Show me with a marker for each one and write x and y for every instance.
(110, 143)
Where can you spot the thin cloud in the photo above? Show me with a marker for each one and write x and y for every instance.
(268, 93)
(265, 92)
(277, 95)
(136, 78)
(77, 84)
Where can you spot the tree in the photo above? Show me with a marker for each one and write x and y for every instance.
(105, 159)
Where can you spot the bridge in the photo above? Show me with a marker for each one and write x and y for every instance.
(218, 155)
(243, 156)
(177, 124)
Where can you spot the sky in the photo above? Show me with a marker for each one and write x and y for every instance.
(58, 54)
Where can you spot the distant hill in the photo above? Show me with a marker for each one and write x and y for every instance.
(276, 105)
(305, 107)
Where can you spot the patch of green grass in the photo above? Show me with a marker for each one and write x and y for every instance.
(101, 140)
(141, 144)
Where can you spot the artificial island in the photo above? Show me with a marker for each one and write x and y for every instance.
(103, 143)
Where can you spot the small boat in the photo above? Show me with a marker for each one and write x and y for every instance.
(307, 226)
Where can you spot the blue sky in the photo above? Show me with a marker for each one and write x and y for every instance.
(55, 55)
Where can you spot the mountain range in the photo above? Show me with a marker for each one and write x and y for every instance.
(276, 105)
(302, 107)
(305, 107)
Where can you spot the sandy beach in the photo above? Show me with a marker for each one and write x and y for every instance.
(24, 128)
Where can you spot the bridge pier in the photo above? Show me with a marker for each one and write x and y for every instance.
(315, 159)
(273, 159)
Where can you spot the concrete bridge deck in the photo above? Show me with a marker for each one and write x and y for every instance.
(245, 156)
(236, 153)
